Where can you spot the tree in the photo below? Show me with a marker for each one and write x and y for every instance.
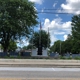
(76, 33)
(76, 27)
(56, 46)
(27, 47)
(45, 39)
(16, 19)
(62, 46)
(12, 46)
(75, 47)
(67, 45)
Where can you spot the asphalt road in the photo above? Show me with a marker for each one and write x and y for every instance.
(27, 72)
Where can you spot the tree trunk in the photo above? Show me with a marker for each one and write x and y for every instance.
(5, 46)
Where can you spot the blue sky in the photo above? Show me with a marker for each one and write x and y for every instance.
(59, 24)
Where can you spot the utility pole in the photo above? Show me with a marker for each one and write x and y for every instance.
(48, 40)
(32, 35)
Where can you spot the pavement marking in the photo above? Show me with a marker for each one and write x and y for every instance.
(53, 69)
(37, 69)
(67, 69)
(24, 69)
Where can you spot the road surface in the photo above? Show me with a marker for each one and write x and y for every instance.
(46, 73)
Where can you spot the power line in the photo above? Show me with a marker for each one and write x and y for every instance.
(55, 13)
(58, 11)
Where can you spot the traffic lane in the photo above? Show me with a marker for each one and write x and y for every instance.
(39, 74)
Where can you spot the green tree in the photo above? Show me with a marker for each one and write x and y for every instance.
(42, 36)
(62, 46)
(67, 45)
(27, 47)
(76, 27)
(76, 33)
(16, 19)
(75, 47)
(12, 46)
(24, 47)
(56, 46)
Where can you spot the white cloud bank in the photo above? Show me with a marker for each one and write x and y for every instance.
(57, 27)
(37, 1)
(65, 37)
(71, 6)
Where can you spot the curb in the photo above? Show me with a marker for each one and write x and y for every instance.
(39, 63)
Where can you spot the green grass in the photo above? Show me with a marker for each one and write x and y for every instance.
(69, 58)
(77, 58)
(20, 57)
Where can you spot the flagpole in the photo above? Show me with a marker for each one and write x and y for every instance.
(48, 38)
(32, 37)
(40, 34)
(40, 43)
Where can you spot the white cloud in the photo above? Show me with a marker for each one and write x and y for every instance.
(37, 1)
(54, 5)
(59, 33)
(23, 42)
(57, 27)
(56, 15)
(53, 38)
(42, 10)
(35, 8)
(57, 24)
(65, 37)
(71, 6)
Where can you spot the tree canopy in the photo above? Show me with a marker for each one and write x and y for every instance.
(16, 19)
(72, 44)
(27, 47)
(56, 46)
(12, 46)
(76, 27)
(76, 33)
(42, 36)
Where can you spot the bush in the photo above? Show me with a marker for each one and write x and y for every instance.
(77, 58)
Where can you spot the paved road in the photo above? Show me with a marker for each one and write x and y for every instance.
(27, 72)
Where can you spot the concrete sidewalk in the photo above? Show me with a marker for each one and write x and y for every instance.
(39, 63)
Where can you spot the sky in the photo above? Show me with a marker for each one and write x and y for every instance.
(59, 24)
